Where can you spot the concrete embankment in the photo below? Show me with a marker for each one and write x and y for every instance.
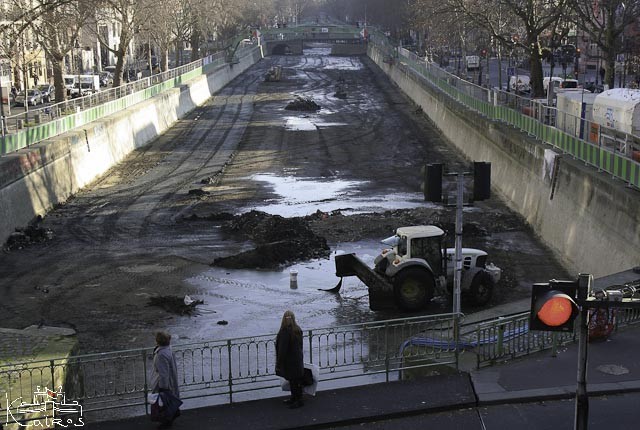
(591, 221)
(35, 179)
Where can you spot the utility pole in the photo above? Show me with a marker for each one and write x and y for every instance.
(3, 126)
(432, 186)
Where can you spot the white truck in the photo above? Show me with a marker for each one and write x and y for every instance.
(520, 84)
(619, 109)
(84, 85)
(561, 83)
(69, 82)
(417, 267)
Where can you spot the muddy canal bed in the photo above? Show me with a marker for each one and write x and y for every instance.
(338, 179)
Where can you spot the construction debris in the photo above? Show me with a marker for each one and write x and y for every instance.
(176, 305)
(279, 241)
(303, 104)
(274, 74)
(29, 235)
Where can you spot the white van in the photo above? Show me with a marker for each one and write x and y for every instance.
(520, 84)
(562, 83)
(70, 83)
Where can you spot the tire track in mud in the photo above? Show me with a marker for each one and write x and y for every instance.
(159, 177)
(335, 151)
(169, 182)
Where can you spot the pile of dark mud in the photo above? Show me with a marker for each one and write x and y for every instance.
(280, 241)
(175, 305)
(303, 104)
(336, 227)
(27, 236)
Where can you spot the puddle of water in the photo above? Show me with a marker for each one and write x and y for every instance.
(253, 301)
(293, 123)
(295, 190)
(317, 50)
(332, 63)
(303, 196)
(342, 63)
(308, 123)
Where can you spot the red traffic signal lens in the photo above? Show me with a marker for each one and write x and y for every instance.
(557, 310)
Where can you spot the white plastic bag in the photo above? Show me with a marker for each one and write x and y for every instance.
(153, 398)
(284, 384)
(309, 389)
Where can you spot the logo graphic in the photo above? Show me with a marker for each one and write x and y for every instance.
(48, 409)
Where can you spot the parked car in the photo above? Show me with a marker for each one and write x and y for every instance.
(33, 97)
(48, 92)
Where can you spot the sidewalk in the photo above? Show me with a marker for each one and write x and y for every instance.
(613, 369)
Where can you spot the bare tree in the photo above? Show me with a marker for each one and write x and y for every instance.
(52, 27)
(531, 19)
(605, 22)
(130, 16)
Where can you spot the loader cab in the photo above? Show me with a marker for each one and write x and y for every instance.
(420, 242)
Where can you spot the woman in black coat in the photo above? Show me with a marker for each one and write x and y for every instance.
(289, 362)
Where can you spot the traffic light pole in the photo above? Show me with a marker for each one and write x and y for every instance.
(582, 397)
(433, 192)
(457, 274)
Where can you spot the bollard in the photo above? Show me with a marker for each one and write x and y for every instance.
(293, 279)
(20, 124)
(37, 118)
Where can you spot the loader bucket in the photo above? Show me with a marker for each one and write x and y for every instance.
(345, 264)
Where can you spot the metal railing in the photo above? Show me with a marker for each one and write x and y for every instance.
(604, 148)
(228, 367)
(506, 338)
(44, 123)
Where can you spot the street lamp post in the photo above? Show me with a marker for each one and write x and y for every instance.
(3, 126)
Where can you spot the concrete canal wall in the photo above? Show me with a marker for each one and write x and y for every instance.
(591, 221)
(35, 179)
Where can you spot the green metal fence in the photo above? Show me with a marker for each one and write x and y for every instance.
(609, 150)
(60, 118)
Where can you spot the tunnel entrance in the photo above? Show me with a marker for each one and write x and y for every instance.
(281, 49)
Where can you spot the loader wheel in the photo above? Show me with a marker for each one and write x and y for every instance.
(481, 289)
(413, 288)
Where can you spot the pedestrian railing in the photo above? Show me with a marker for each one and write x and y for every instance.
(228, 367)
(40, 124)
(607, 149)
(506, 338)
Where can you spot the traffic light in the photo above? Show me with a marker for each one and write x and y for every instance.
(553, 306)
(432, 186)
(481, 180)
(483, 53)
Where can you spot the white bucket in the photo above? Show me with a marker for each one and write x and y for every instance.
(293, 279)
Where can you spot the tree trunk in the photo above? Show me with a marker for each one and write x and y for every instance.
(58, 81)
(195, 46)
(117, 78)
(610, 69)
(610, 58)
(165, 59)
(536, 70)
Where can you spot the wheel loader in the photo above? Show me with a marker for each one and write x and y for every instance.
(416, 267)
